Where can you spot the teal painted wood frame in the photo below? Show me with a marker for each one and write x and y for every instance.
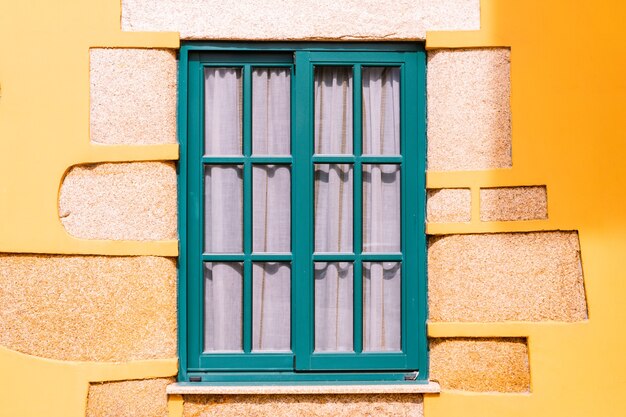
(303, 364)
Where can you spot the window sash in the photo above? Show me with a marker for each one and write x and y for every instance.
(301, 64)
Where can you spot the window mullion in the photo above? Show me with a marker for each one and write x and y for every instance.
(358, 213)
(247, 208)
(302, 194)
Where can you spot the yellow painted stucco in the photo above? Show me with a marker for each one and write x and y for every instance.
(568, 101)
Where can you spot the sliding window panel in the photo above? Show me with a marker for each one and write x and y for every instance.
(382, 306)
(333, 208)
(223, 303)
(271, 307)
(271, 208)
(381, 208)
(271, 111)
(333, 110)
(223, 209)
(222, 111)
(334, 306)
(381, 110)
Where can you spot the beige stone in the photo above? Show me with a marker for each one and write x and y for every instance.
(450, 14)
(122, 201)
(494, 364)
(300, 20)
(133, 96)
(449, 205)
(88, 308)
(373, 405)
(138, 398)
(513, 203)
(506, 276)
(429, 387)
(469, 115)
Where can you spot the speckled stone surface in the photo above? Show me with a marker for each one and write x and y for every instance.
(300, 20)
(133, 96)
(88, 308)
(396, 405)
(469, 115)
(506, 276)
(480, 364)
(212, 389)
(513, 203)
(121, 201)
(449, 205)
(137, 398)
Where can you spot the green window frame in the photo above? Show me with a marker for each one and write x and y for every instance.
(302, 364)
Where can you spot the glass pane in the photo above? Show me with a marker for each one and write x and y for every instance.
(271, 204)
(271, 306)
(333, 307)
(381, 110)
(382, 306)
(271, 111)
(333, 208)
(333, 110)
(223, 283)
(222, 111)
(223, 208)
(381, 208)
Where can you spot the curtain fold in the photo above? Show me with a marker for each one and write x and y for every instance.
(271, 306)
(223, 209)
(333, 306)
(271, 111)
(333, 110)
(223, 302)
(381, 110)
(271, 208)
(382, 306)
(222, 111)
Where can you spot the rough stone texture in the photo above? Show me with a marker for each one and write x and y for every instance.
(304, 405)
(497, 364)
(507, 276)
(125, 201)
(449, 205)
(513, 203)
(140, 398)
(300, 20)
(133, 96)
(469, 115)
(92, 308)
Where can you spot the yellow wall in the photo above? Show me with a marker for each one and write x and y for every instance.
(568, 104)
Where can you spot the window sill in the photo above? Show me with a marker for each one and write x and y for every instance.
(182, 388)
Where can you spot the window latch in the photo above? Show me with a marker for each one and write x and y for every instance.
(412, 376)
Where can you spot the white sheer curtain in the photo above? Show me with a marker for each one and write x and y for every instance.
(223, 286)
(381, 110)
(381, 209)
(333, 209)
(222, 111)
(271, 209)
(271, 306)
(271, 111)
(381, 306)
(333, 306)
(333, 110)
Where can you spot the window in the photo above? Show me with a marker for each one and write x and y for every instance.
(302, 213)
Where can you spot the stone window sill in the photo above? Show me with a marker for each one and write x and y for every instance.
(198, 388)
